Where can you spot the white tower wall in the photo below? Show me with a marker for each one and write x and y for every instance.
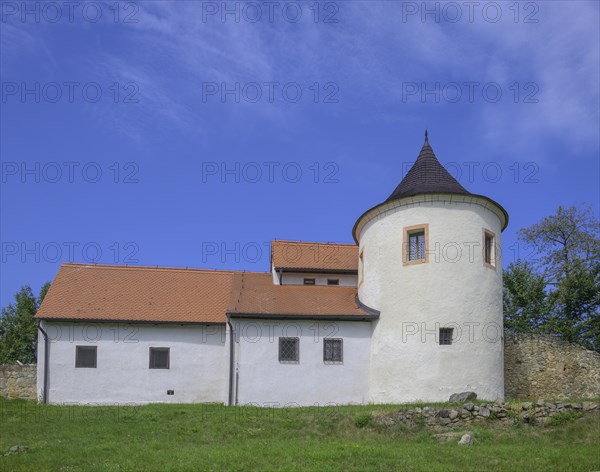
(452, 289)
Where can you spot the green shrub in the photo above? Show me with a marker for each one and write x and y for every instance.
(564, 417)
(362, 420)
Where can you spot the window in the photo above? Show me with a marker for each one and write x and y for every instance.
(159, 357)
(289, 350)
(489, 249)
(333, 281)
(415, 244)
(86, 356)
(446, 336)
(361, 268)
(333, 350)
(309, 281)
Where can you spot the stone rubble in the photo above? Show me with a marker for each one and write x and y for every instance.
(506, 413)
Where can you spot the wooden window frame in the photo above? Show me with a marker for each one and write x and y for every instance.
(446, 329)
(154, 349)
(486, 233)
(333, 361)
(408, 230)
(78, 360)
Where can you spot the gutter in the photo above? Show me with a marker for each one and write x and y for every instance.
(231, 361)
(341, 317)
(46, 360)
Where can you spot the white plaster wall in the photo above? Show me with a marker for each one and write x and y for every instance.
(198, 363)
(346, 280)
(263, 380)
(407, 363)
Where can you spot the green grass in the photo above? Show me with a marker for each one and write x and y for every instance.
(213, 437)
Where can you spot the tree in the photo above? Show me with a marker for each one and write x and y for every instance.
(18, 329)
(526, 307)
(568, 244)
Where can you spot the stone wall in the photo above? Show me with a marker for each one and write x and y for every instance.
(18, 381)
(537, 366)
(539, 412)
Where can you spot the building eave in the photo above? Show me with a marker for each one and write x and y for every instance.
(431, 197)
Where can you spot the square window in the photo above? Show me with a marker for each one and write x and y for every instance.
(333, 281)
(159, 358)
(289, 350)
(86, 357)
(333, 350)
(309, 281)
(446, 336)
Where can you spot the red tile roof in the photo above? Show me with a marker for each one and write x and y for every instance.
(160, 294)
(255, 293)
(298, 255)
(125, 293)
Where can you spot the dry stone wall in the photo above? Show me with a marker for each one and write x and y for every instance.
(18, 381)
(537, 366)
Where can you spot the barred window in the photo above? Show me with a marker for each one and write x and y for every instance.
(446, 336)
(159, 358)
(333, 350)
(289, 350)
(416, 246)
(309, 281)
(86, 357)
(333, 281)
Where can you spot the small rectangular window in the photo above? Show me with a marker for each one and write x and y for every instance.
(361, 268)
(414, 250)
(86, 357)
(333, 350)
(289, 350)
(446, 336)
(309, 281)
(159, 358)
(333, 281)
(489, 249)
(416, 246)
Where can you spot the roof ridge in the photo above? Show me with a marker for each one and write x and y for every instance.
(158, 268)
(312, 242)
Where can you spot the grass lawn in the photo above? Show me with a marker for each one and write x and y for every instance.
(214, 437)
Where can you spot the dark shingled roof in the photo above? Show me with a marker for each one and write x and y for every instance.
(427, 175)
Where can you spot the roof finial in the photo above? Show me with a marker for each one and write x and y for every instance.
(426, 140)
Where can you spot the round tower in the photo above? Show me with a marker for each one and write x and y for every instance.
(430, 263)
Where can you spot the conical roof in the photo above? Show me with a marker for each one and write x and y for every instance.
(427, 175)
(428, 178)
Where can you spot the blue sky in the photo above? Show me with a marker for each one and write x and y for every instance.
(177, 134)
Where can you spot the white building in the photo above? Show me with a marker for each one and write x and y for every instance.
(412, 312)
